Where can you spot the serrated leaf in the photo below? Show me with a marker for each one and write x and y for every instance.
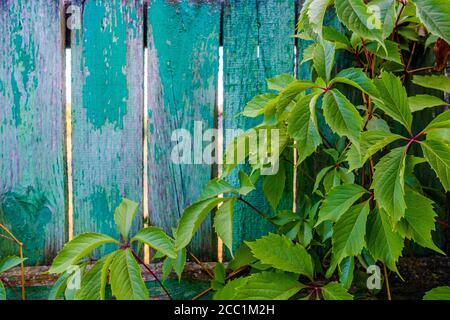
(423, 101)
(420, 220)
(229, 291)
(216, 187)
(357, 78)
(223, 222)
(438, 82)
(126, 278)
(81, 246)
(341, 115)
(291, 92)
(394, 97)
(8, 263)
(303, 129)
(255, 107)
(192, 218)
(333, 35)
(124, 216)
(391, 52)
(269, 286)
(246, 184)
(383, 243)
(273, 186)
(441, 121)
(281, 253)
(434, 15)
(243, 256)
(439, 293)
(324, 59)
(356, 16)
(338, 201)
(93, 282)
(316, 14)
(388, 183)
(437, 154)
(157, 239)
(278, 83)
(387, 14)
(335, 291)
(349, 232)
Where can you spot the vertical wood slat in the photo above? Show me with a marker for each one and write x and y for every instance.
(183, 39)
(32, 192)
(250, 27)
(107, 112)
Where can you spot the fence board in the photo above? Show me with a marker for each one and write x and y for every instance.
(252, 27)
(107, 112)
(32, 194)
(183, 40)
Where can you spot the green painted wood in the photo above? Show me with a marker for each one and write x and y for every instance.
(32, 192)
(248, 25)
(107, 112)
(183, 40)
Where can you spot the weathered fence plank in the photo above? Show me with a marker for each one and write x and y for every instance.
(258, 44)
(32, 192)
(183, 39)
(107, 112)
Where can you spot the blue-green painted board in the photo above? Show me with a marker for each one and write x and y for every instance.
(183, 39)
(32, 171)
(258, 44)
(107, 112)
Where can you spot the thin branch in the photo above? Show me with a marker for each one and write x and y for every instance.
(197, 261)
(136, 256)
(257, 210)
(388, 290)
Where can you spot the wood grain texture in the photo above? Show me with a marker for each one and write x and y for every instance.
(107, 112)
(252, 27)
(32, 192)
(183, 39)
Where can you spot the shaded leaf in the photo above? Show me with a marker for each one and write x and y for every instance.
(157, 239)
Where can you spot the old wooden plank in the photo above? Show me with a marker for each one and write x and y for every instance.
(258, 44)
(183, 40)
(107, 112)
(32, 192)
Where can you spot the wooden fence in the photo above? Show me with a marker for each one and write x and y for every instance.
(119, 148)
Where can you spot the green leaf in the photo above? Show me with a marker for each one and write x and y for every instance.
(246, 184)
(355, 15)
(434, 15)
(371, 143)
(394, 97)
(223, 222)
(126, 278)
(124, 216)
(269, 286)
(2, 291)
(243, 256)
(335, 291)
(229, 291)
(391, 52)
(320, 176)
(333, 35)
(278, 83)
(302, 127)
(216, 187)
(291, 92)
(383, 243)
(192, 218)
(357, 78)
(346, 270)
(441, 134)
(157, 239)
(281, 253)
(441, 121)
(420, 220)
(9, 263)
(59, 286)
(255, 107)
(437, 154)
(338, 201)
(324, 59)
(81, 246)
(389, 181)
(439, 293)
(273, 186)
(438, 82)
(316, 14)
(93, 282)
(341, 115)
(349, 232)
(387, 14)
(180, 262)
(423, 101)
